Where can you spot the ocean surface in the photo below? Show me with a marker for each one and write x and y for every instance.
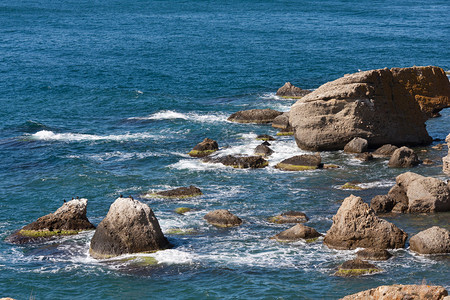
(102, 98)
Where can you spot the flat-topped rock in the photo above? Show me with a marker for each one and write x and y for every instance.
(290, 217)
(296, 233)
(288, 90)
(69, 219)
(129, 227)
(356, 267)
(403, 157)
(259, 116)
(434, 240)
(265, 137)
(401, 292)
(263, 150)
(181, 192)
(239, 162)
(373, 254)
(301, 163)
(205, 148)
(222, 218)
(385, 151)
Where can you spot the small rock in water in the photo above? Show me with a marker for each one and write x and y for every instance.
(385, 151)
(403, 157)
(373, 254)
(288, 90)
(222, 218)
(182, 210)
(263, 150)
(290, 217)
(351, 186)
(296, 233)
(356, 267)
(356, 145)
(239, 162)
(265, 137)
(182, 192)
(364, 156)
(301, 163)
(282, 122)
(205, 148)
(258, 116)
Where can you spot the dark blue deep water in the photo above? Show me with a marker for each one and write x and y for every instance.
(102, 98)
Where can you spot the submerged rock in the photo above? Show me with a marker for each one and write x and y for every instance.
(182, 210)
(446, 159)
(290, 217)
(301, 163)
(351, 186)
(434, 240)
(378, 105)
(356, 225)
(403, 157)
(265, 137)
(205, 148)
(239, 162)
(181, 192)
(385, 151)
(222, 218)
(263, 150)
(356, 145)
(129, 227)
(288, 90)
(69, 219)
(373, 254)
(401, 292)
(259, 116)
(356, 267)
(296, 233)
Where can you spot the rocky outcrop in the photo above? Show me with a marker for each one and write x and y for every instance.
(259, 116)
(398, 291)
(288, 90)
(181, 192)
(239, 162)
(373, 254)
(297, 233)
(263, 150)
(222, 218)
(129, 227)
(385, 151)
(282, 121)
(446, 159)
(290, 217)
(434, 240)
(356, 267)
(356, 145)
(69, 219)
(378, 105)
(355, 225)
(403, 157)
(205, 148)
(301, 163)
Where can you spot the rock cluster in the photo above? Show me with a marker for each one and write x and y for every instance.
(356, 145)
(263, 150)
(288, 90)
(258, 116)
(398, 291)
(446, 159)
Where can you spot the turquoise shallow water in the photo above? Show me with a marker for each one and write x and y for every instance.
(102, 98)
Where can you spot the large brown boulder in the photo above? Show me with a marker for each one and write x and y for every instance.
(129, 227)
(434, 240)
(446, 159)
(69, 219)
(403, 157)
(288, 90)
(222, 218)
(400, 292)
(378, 105)
(259, 116)
(296, 233)
(356, 145)
(205, 148)
(356, 225)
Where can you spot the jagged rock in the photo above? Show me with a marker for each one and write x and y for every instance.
(373, 254)
(385, 151)
(446, 159)
(290, 217)
(181, 192)
(378, 105)
(301, 163)
(296, 233)
(222, 218)
(382, 203)
(265, 137)
(356, 145)
(366, 156)
(290, 91)
(356, 267)
(403, 157)
(282, 121)
(263, 150)
(434, 240)
(401, 292)
(129, 227)
(259, 116)
(239, 162)
(69, 219)
(356, 225)
(205, 148)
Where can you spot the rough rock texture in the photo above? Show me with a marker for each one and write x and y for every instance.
(373, 254)
(382, 204)
(355, 225)
(265, 137)
(434, 240)
(205, 148)
(401, 292)
(67, 220)
(356, 267)
(182, 192)
(263, 150)
(403, 157)
(222, 218)
(301, 163)
(446, 159)
(239, 162)
(385, 151)
(290, 91)
(366, 156)
(356, 145)
(282, 121)
(129, 227)
(378, 105)
(290, 217)
(296, 233)
(259, 116)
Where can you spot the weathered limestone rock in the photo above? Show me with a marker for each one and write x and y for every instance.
(239, 162)
(222, 218)
(290, 217)
(355, 225)
(446, 159)
(356, 145)
(282, 121)
(259, 116)
(378, 105)
(205, 148)
(401, 292)
(129, 227)
(301, 163)
(385, 151)
(403, 157)
(296, 233)
(373, 254)
(434, 240)
(263, 150)
(356, 267)
(288, 90)
(181, 192)
(69, 219)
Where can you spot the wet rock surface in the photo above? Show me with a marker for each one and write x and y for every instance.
(259, 116)
(301, 163)
(205, 148)
(403, 292)
(290, 217)
(403, 157)
(373, 254)
(239, 162)
(222, 218)
(296, 233)
(434, 240)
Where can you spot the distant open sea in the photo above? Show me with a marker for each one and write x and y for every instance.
(102, 98)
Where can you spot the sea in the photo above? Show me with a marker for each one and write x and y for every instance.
(106, 98)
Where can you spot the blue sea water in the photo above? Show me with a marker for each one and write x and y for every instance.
(102, 98)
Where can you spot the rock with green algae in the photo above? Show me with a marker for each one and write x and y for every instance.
(398, 291)
(181, 231)
(265, 137)
(205, 148)
(182, 210)
(351, 186)
(290, 217)
(296, 233)
(356, 267)
(178, 193)
(301, 163)
(239, 162)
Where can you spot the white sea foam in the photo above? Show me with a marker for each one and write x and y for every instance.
(192, 116)
(45, 135)
(124, 156)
